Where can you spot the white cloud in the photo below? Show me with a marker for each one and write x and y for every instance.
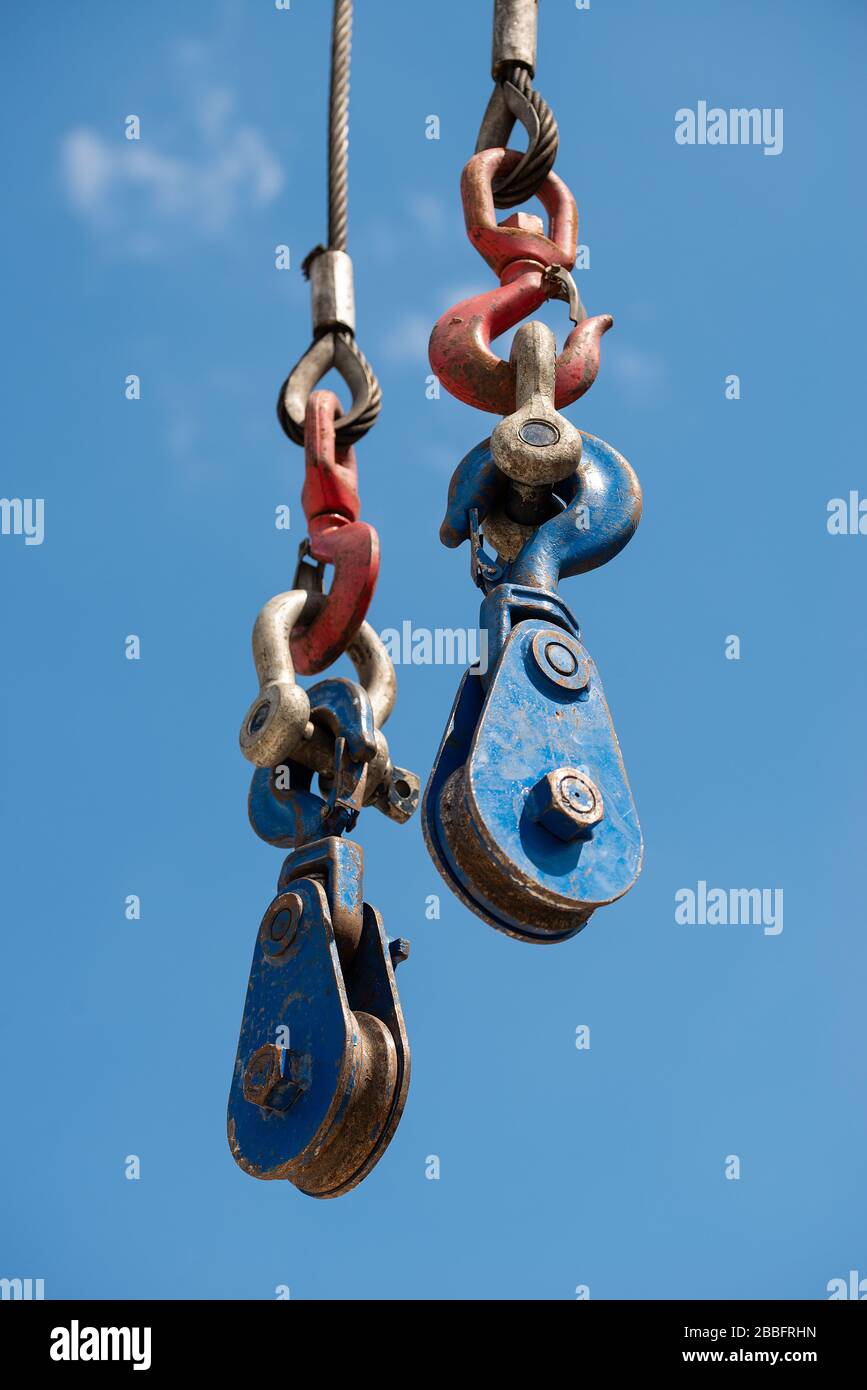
(430, 215)
(408, 339)
(642, 371)
(456, 294)
(146, 198)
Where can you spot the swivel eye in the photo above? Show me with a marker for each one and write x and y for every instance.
(519, 237)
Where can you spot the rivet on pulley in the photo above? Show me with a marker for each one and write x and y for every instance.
(561, 659)
(280, 924)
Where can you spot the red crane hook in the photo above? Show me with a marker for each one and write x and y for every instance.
(524, 258)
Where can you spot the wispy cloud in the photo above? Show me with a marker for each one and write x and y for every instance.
(455, 294)
(641, 373)
(146, 198)
(407, 339)
(433, 216)
(195, 433)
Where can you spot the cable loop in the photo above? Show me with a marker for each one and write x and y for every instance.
(338, 350)
(329, 270)
(515, 99)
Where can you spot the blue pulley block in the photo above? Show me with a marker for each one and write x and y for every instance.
(528, 813)
(322, 1068)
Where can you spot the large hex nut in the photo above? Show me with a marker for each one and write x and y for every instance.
(567, 803)
(269, 1078)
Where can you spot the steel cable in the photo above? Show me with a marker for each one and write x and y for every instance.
(338, 127)
(338, 240)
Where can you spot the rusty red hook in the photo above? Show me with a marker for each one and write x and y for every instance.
(336, 537)
(523, 257)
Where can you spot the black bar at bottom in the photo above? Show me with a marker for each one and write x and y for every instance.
(258, 1338)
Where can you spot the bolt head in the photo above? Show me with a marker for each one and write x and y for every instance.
(264, 1072)
(561, 658)
(398, 949)
(567, 803)
(268, 1079)
(279, 926)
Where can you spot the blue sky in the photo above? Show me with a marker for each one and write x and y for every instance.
(559, 1167)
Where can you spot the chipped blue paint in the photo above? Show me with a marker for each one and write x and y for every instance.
(600, 508)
